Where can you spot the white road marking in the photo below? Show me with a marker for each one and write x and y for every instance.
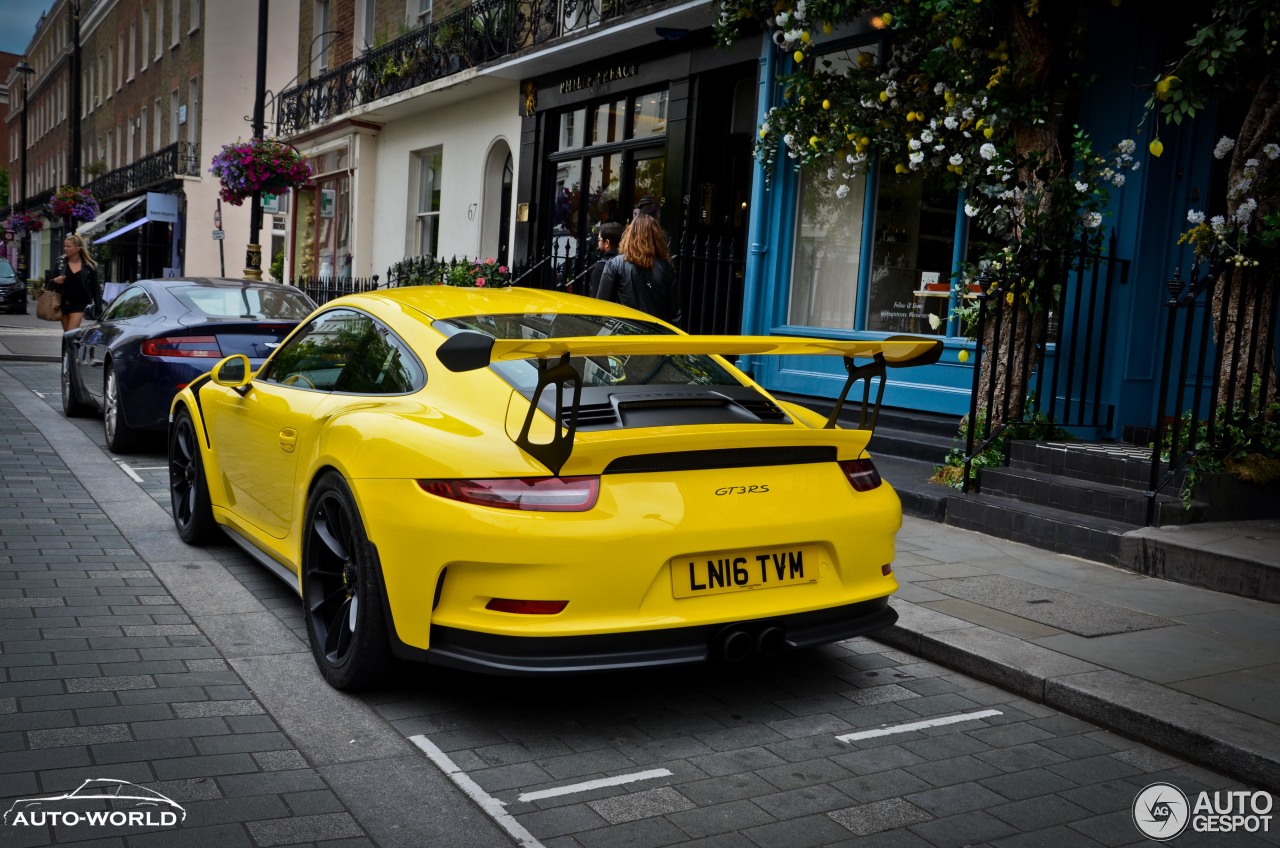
(593, 784)
(129, 471)
(38, 394)
(153, 468)
(917, 725)
(487, 802)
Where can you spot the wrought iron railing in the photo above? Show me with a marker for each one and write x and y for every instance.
(324, 289)
(182, 158)
(1219, 401)
(479, 33)
(1013, 343)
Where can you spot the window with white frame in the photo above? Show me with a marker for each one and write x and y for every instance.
(142, 132)
(195, 15)
(120, 57)
(193, 110)
(146, 36)
(155, 126)
(368, 23)
(322, 19)
(111, 71)
(173, 116)
(159, 30)
(426, 226)
(176, 23)
(133, 49)
(423, 11)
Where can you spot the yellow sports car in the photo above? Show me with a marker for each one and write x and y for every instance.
(520, 482)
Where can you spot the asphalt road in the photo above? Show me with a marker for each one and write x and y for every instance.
(854, 744)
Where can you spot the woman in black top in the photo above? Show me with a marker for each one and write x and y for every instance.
(641, 276)
(78, 281)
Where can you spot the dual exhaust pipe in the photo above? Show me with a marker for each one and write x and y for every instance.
(736, 644)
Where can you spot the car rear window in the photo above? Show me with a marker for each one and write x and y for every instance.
(245, 301)
(6, 270)
(672, 370)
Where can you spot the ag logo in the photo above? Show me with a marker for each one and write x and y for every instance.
(1161, 811)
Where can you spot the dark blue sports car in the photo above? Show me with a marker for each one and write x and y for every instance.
(158, 335)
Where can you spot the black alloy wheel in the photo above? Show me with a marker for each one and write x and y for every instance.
(72, 406)
(341, 589)
(188, 486)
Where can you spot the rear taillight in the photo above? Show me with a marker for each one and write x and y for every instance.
(862, 474)
(534, 494)
(526, 607)
(200, 347)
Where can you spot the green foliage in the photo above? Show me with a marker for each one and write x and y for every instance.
(1245, 443)
(1037, 427)
(277, 266)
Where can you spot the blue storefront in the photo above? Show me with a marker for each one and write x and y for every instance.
(880, 261)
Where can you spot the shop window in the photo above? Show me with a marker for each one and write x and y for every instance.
(824, 266)
(426, 228)
(650, 115)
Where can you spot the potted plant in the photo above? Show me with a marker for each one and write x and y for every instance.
(260, 164)
(21, 224)
(74, 202)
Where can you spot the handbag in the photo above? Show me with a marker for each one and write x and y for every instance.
(49, 306)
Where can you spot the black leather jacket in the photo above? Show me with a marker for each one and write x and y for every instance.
(649, 290)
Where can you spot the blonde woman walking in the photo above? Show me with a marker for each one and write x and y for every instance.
(78, 281)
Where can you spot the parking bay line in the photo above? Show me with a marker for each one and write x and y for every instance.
(487, 802)
(917, 725)
(617, 780)
(127, 470)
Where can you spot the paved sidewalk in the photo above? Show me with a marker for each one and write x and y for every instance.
(27, 338)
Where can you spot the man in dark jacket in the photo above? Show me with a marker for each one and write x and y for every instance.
(610, 235)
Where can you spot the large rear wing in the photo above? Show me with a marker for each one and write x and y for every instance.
(470, 351)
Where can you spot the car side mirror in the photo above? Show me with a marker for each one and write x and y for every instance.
(233, 372)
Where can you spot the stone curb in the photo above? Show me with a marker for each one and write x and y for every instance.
(1228, 741)
(28, 357)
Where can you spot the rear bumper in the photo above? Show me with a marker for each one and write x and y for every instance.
(12, 297)
(524, 656)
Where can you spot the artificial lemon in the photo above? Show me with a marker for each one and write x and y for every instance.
(1156, 147)
(804, 36)
(798, 56)
(957, 43)
(884, 97)
(963, 356)
(988, 132)
(826, 29)
(826, 104)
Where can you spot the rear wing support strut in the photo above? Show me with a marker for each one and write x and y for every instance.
(555, 453)
(870, 413)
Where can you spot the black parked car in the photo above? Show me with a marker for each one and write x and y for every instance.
(158, 335)
(13, 294)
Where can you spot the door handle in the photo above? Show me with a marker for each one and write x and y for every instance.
(288, 439)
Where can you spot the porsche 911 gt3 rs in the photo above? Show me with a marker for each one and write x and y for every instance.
(525, 482)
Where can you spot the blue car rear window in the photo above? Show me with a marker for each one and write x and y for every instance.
(245, 302)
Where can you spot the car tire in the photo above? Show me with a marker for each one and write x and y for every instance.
(72, 406)
(120, 436)
(188, 485)
(342, 593)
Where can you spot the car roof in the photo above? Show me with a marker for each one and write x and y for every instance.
(456, 301)
(213, 282)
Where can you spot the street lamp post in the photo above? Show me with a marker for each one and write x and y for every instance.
(253, 250)
(26, 71)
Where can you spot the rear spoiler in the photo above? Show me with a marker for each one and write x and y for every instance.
(470, 351)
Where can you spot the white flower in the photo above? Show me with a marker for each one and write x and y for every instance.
(1244, 212)
(967, 114)
(1082, 187)
(1126, 146)
(792, 36)
(789, 140)
(970, 210)
(1107, 173)
(1118, 180)
(1093, 220)
(842, 191)
(917, 157)
(913, 144)
(926, 136)
(1219, 224)
(1195, 217)
(1251, 163)
(831, 173)
(800, 7)
(934, 321)
(1223, 147)
(782, 20)
(950, 122)
(956, 159)
(1272, 151)
(987, 151)
(938, 148)
(939, 88)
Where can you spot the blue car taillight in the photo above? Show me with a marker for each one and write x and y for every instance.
(200, 347)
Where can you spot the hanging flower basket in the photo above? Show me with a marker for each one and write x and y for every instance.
(21, 225)
(266, 164)
(74, 202)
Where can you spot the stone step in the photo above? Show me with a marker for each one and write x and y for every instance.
(1084, 496)
(1118, 465)
(1087, 536)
